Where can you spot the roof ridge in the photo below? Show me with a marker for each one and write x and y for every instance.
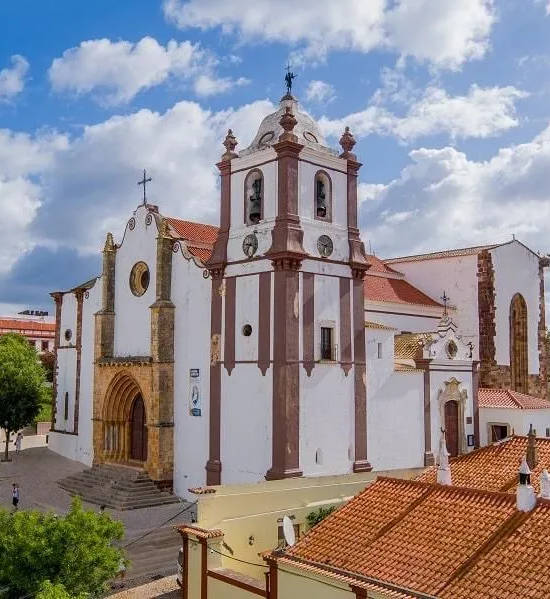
(426, 254)
(456, 488)
(511, 524)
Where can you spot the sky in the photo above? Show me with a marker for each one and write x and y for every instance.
(449, 103)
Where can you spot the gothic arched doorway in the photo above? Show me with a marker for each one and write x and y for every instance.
(451, 427)
(518, 344)
(138, 430)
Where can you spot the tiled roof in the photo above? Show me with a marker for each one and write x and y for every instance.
(378, 265)
(194, 232)
(443, 541)
(399, 291)
(494, 468)
(377, 325)
(443, 254)
(506, 398)
(15, 324)
(408, 346)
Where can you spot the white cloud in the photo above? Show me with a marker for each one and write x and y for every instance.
(320, 91)
(482, 112)
(546, 3)
(12, 79)
(456, 202)
(444, 33)
(118, 71)
(207, 85)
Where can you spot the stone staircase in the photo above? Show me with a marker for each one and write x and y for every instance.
(116, 487)
(155, 555)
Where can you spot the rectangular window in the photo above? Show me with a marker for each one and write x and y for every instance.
(44, 346)
(498, 432)
(548, 432)
(379, 350)
(326, 343)
(66, 405)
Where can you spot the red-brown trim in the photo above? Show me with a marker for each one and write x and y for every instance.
(218, 258)
(357, 255)
(475, 402)
(428, 453)
(286, 375)
(403, 313)
(204, 568)
(249, 174)
(229, 337)
(308, 322)
(236, 583)
(79, 294)
(214, 465)
(345, 325)
(185, 566)
(328, 218)
(273, 591)
(58, 299)
(264, 321)
(361, 463)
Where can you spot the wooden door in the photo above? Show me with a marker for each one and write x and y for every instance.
(451, 427)
(138, 430)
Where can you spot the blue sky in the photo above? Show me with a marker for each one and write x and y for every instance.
(449, 103)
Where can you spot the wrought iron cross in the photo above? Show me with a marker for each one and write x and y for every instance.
(445, 300)
(144, 182)
(288, 78)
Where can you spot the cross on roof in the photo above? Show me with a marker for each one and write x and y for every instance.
(445, 301)
(144, 182)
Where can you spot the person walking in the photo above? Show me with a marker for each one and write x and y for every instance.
(18, 442)
(15, 496)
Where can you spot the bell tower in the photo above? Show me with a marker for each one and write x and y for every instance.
(288, 372)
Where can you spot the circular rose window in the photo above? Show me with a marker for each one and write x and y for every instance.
(139, 278)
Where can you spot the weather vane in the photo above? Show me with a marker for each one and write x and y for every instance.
(144, 182)
(445, 300)
(288, 79)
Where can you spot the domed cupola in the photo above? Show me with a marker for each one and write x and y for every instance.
(306, 129)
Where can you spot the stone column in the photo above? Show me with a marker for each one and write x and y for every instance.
(543, 353)
(286, 255)
(475, 402)
(424, 364)
(58, 299)
(160, 424)
(79, 294)
(105, 318)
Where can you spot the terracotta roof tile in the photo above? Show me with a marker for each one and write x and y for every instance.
(399, 291)
(408, 534)
(378, 265)
(495, 467)
(506, 398)
(443, 254)
(194, 232)
(15, 324)
(377, 325)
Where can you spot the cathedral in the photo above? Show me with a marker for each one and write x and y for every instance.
(274, 346)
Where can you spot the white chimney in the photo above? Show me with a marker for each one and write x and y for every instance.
(525, 495)
(545, 484)
(443, 468)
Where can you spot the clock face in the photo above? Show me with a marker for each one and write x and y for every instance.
(325, 246)
(250, 245)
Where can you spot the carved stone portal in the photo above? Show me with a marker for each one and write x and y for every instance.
(452, 392)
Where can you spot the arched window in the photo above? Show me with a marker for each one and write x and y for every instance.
(518, 344)
(253, 197)
(66, 410)
(323, 196)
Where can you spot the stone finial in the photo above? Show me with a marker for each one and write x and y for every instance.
(443, 468)
(165, 228)
(109, 243)
(288, 122)
(525, 495)
(230, 143)
(532, 453)
(347, 141)
(545, 484)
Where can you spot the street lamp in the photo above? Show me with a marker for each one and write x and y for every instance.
(6, 456)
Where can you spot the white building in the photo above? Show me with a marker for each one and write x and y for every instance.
(271, 347)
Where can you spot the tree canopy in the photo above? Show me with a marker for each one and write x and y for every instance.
(74, 553)
(22, 383)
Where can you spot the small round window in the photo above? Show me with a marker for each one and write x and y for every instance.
(68, 334)
(139, 278)
(247, 330)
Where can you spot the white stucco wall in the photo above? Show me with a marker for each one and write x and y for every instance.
(395, 424)
(458, 278)
(379, 369)
(191, 296)
(518, 421)
(516, 271)
(133, 319)
(246, 312)
(401, 317)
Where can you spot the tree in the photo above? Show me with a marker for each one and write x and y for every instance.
(313, 518)
(47, 360)
(22, 384)
(75, 550)
(56, 591)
